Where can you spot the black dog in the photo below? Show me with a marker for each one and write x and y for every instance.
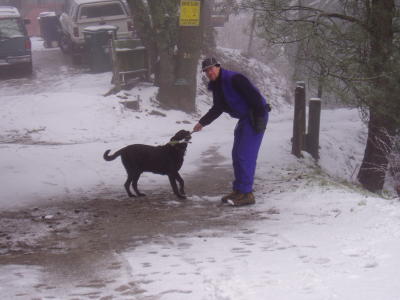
(164, 160)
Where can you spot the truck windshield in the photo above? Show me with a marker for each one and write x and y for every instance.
(98, 11)
(11, 28)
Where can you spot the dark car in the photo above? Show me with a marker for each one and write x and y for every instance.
(15, 45)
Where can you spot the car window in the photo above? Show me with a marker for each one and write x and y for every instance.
(11, 28)
(105, 10)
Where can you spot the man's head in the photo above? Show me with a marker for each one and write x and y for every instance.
(211, 68)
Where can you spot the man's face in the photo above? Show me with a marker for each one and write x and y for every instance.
(212, 73)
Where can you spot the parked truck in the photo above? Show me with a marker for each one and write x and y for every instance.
(80, 14)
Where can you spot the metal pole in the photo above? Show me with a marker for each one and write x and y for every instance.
(299, 121)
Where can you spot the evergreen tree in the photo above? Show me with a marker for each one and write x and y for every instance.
(351, 49)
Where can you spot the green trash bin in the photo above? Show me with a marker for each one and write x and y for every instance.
(97, 45)
(49, 28)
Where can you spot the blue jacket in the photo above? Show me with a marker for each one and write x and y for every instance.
(239, 106)
(233, 93)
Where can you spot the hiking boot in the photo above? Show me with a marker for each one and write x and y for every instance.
(232, 195)
(242, 199)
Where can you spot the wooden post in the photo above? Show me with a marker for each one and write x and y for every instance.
(299, 121)
(312, 138)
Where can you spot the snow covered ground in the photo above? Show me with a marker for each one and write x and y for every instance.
(314, 234)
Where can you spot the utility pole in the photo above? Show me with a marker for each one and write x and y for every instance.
(251, 37)
(189, 50)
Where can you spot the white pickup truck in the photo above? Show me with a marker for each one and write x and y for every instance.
(80, 14)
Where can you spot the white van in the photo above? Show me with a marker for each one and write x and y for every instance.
(79, 14)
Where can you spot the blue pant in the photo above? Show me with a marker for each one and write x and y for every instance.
(244, 155)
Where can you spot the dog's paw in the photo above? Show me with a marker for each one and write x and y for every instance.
(182, 196)
(141, 195)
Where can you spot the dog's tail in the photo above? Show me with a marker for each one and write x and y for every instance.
(111, 157)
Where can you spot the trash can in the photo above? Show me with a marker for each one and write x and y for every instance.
(98, 48)
(49, 28)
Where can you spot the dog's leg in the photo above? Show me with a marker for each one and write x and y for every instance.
(135, 180)
(129, 173)
(172, 181)
(128, 184)
(181, 183)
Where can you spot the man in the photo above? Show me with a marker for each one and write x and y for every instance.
(233, 93)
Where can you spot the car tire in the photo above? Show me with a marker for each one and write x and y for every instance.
(28, 68)
(25, 69)
(65, 44)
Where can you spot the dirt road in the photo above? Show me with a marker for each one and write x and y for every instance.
(76, 241)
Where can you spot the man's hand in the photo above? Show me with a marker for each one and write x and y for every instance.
(197, 127)
(259, 124)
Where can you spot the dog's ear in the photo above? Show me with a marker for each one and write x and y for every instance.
(177, 136)
(181, 135)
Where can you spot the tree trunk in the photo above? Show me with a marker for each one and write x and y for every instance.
(189, 50)
(142, 24)
(299, 72)
(166, 94)
(209, 45)
(165, 19)
(373, 168)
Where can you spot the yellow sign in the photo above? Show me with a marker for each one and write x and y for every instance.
(190, 13)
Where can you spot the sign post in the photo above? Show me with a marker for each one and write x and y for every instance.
(190, 13)
(189, 47)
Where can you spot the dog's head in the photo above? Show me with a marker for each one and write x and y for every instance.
(182, 136)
